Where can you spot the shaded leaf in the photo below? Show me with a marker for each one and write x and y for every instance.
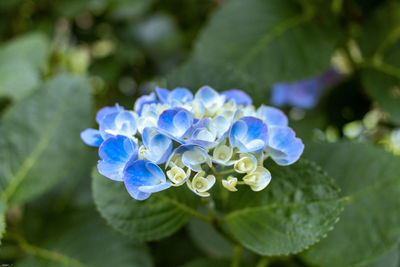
(17, 78)
(296, 210)
(20, 63)
(370, 224)
(40, 138)
(83, 239)
(159, 216)
(272, 41)
(209, 240)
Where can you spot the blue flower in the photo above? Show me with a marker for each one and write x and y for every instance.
(175, 97)
(272, 116)
(118, 123)
(304, 93)
(283, 145)
(201, 134)
(249, 134)
(240, 97)
(175, 123)
(158, 146)
(103, 112)
(142, 178)
(144, 100)
(192, 156)
(92, 137)
(182, 138)
(209, 99)
(114, 153)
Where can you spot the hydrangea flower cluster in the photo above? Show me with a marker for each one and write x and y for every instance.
(172, 138)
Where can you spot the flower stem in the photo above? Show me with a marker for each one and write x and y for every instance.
(264, 261)
(226, 172)
(237, 255)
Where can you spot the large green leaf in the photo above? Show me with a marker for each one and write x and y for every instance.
(83, 239)
(370, 224)
(159, 216)
(380, 44)
(32, 47)
(40, 141)
(391, 259)
(20, 63)
(295, 211)
(272, 41)
(17, 78)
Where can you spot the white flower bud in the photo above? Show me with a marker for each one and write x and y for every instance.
(259, 179)
(177, 175)
(230, 183)
(200, 184)
(246, 164)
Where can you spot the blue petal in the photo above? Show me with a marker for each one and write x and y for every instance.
(283, 146)
(186, 160)
(182, 95)
(155, 188)
(136, 193)
(118, 123)
(272, 116)
(162, 94)
(207, 94)
(249, 134)
(158, 146)
(175, 122)
(91, 137)
(144, 176)
(240, 97)
(114, 153)
(144, 100)
(102, 113)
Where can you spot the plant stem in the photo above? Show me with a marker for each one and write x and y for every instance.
(226, 172)
(44, 253)
(237, 255)
(264, 261)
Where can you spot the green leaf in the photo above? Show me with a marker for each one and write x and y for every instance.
(391, 259)
(157, 217)
(40, 141)
(17, 78)
(380, 44)
(370, 224)
(32, 47)
(2, 219)
(197, 72)
(272, 41)
(83, 239)
(20, 63)
(296, 210)
(209, 240)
